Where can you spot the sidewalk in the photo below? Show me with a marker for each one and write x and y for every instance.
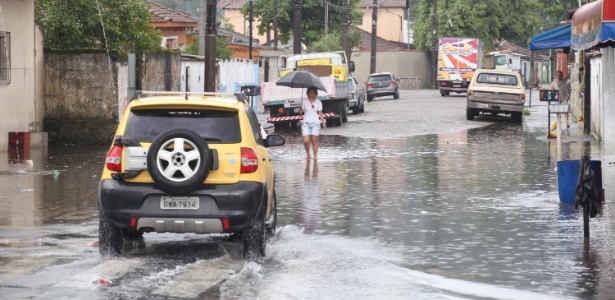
(574, 142)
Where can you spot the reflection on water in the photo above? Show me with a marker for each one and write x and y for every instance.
(478, 205)
(54, 188)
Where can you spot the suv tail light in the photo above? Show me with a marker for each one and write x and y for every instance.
(470, 93)
(114, 159)
(522, 97)
(249, 161)
(368, 85)
(392, 83)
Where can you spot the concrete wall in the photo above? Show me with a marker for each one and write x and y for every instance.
(161, 72)
(401, 64)
(81, 97)
(608, 94)
(596, 97)
(20, 110)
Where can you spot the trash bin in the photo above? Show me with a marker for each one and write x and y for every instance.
(567, 176)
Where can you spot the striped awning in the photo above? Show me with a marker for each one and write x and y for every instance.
(594, 24)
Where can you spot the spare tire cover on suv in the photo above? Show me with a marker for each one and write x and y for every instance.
(178, 161)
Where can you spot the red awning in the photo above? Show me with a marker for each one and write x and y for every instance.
(593, 24)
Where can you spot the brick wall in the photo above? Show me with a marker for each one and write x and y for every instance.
(410, 83)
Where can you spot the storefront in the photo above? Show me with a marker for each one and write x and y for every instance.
(593, 32)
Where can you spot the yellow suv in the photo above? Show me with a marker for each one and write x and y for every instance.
(188, 163)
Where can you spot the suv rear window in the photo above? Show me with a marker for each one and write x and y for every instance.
(497, 78)
(214, 126)
(379, 78)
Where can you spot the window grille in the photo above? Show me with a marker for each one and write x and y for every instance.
(5, 57)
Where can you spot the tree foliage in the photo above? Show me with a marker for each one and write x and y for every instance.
(76, 24)
(489, 20)
(312, 18)
(221, 51)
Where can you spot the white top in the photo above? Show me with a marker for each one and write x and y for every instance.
(310, 115)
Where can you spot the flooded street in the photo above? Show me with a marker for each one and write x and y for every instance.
(469, 214)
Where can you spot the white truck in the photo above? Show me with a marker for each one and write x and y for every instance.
(331, 67)
(458, 59)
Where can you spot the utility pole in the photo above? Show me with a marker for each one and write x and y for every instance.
(210, 46)
(297, 27)
(275, 23)
(345, 23)
(326, 17)
(250, 22)
(372, 64)
(434, 45)
(202, 28)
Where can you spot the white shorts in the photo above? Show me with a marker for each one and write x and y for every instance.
(310, 128)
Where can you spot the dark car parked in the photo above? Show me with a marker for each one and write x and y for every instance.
(357, 96)
(381, 84)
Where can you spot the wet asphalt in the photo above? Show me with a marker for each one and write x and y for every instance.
(458, 209)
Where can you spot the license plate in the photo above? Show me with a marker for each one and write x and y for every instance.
(480, 105)
(179, 203)
(288, 105)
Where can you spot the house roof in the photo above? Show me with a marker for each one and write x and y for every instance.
(231, 4)
(382, 45)
(506, 45)
(236, 37)
(238, 4)
(164, 14)
(384, 3)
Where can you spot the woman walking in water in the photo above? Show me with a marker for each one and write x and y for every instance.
(312, 118)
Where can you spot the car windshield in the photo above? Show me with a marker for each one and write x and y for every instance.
(351, 84)
(491, 78)
(214, 126)
(379, 78)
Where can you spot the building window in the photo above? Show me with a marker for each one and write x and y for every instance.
(358, 21)
(5, 57)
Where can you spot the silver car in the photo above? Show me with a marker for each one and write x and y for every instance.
(381, 84)
(357, 96)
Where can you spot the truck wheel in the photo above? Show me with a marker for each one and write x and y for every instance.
(345, 110)
(469, 114)
(517, 117)
(442, 93)
(355, 109)
(337, 121)
(370, 98)
(362, 107)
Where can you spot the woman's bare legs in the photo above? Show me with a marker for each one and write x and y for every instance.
(306, 145)
(315, 146)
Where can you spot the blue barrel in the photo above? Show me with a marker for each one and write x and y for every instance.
(568, 174)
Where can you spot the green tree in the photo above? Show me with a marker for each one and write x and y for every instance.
(76, 24)
(221, 51)
(489, 20)
(312, 18)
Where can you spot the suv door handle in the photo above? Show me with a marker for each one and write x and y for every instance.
(264, 159)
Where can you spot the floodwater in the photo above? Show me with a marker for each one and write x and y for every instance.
(470, 215)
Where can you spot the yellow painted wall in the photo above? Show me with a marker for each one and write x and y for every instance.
(390, 23)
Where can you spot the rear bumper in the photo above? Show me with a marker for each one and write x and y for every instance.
(381, 91)
(483, 106)
(238, 203)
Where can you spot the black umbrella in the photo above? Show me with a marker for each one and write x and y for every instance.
(301, 79)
